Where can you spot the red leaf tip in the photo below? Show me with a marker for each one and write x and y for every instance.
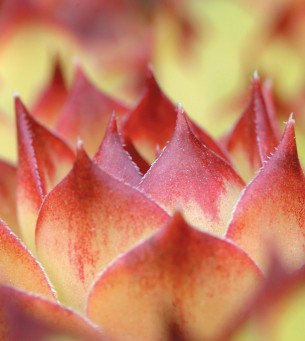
(150, 82)
(112, 125)
(288, 145)
(182, 124)
(19, 106)
(81, 154)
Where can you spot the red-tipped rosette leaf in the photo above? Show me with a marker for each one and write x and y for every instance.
(180, 284)
(253, 138)
(86, 221)
(18, 268)
(152, 121)
(44, 159)
(50, 102)
(114, 159)
(190, 176)
(271, 209)
(8, 183)
(31, 318)
(86, 113)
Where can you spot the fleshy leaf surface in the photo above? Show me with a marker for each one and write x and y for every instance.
(31, 318)
(18, 268)
(86, 113)
(86, 221)
(253, 138)
(114, 159)
(152, 122)
(8, 184)
(43, 160)
(182, 284)
(49, 104)
(272, 208)
(190, 176)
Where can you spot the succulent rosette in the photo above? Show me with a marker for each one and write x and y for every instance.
(129, 221)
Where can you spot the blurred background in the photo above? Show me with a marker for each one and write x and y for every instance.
(203, 52)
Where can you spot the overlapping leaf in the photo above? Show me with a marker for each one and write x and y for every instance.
(49, 104)
(152, 122)
(272, 208)
(190, 176)
(254, 137)
(86, 113)
(114, 159)
(86, 221)
(43, 160)
(181, 284)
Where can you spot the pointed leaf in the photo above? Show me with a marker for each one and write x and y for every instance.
(51, 100)
(18, 268)
(8, 183)
(86, 221)
(114, 160)
(86, 113)
(43, 161)
(32, 318)
(253, 138)
(272, 208)
(152, 121)
(181, 284)
(190, 176)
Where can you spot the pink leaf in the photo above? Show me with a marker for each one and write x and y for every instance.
(114, 160)
(190, 176)
(271, 210)
(253, 138)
